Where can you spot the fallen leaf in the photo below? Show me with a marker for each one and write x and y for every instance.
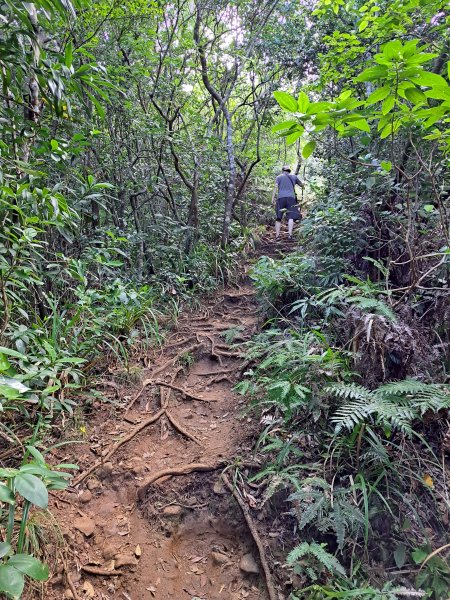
(88, 588)
(428, 481)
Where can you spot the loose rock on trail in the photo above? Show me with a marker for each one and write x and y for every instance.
(153, 513)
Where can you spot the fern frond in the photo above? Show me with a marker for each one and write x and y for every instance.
(351, 414)
(312, 512)
(329, 561)
(340, 525)
(348, 390)
(406, 386)
(297, 553)
(373, 306)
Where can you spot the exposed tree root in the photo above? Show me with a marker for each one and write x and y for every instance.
(176, 471)
(181, 429)
(255, 535)
(99, 571)
(175, 388)
(219, 372)
(69, 581)
(82, 476)
(174, 359)
(160, 369)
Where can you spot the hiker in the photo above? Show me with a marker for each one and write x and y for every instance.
(285, 200)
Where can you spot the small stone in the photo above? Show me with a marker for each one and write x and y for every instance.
(75, 576)
(248, 564)
(109, 551)
(93, 484)
(85, 497)
(106, 470)
(125, 560)
(219, 488)
(219, 559)
(174, 510)
(85, 525)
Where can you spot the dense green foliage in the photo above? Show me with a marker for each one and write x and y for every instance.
(138, 145)
(351, 373)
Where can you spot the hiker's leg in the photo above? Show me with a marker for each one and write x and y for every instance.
(290, 227)
(277, 228)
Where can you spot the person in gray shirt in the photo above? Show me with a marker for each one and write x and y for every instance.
(285, 200)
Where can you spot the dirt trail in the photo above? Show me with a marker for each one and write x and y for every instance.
(182, 537)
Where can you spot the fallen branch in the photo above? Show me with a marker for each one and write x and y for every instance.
(255, 535)
(99, 571)
(175, 472)
(116, 446)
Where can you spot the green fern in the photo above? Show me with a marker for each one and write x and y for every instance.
(328, 510)
(373, 306)
(315, 551)
(396, 404)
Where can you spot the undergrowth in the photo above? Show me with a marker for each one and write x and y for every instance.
(353, 427)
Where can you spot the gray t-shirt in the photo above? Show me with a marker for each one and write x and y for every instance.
(286, 183)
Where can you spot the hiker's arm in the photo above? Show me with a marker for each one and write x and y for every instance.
(275, 192)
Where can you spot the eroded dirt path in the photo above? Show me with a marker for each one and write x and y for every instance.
(182, 536)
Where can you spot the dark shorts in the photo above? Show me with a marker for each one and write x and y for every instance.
(288, 207)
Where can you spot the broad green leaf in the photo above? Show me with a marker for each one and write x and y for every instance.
(410, 48)
(11, 581)
(361, 124)
(13, 353)
(429, 79)
(439, 92)
(303, 102)
(388, 105)
(419, 555)
(363, 25)
(378, 95)
(28, 565)
(429, 208)
(286, 101)
(32, 488)
(68, 54)
(372, 74)
(37, 455)
(283, 125)
(421, 58)
(4, 363)
(317, 107)
(6, 494)
(400, 556)
(308, 149)
(415, 96)
(386, 131)
(292, 137)
(5, 548)
(10, 382)
(392, 49)
(386, 165)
